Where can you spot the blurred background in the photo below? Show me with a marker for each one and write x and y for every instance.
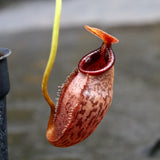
(132, 124)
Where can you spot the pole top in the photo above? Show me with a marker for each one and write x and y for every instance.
(4, 52)
(4, 75)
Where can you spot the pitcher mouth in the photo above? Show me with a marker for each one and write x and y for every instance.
(97, 62)
(4, 52)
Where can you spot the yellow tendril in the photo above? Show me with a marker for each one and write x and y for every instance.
(53, 51)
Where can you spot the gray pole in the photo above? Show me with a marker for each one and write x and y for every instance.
(4, 89)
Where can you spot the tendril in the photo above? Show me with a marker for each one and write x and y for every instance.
(54, 44)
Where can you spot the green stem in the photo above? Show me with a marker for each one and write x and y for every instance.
(53, 51)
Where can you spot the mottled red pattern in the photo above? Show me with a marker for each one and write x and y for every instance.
(82, 107)
(85, 97)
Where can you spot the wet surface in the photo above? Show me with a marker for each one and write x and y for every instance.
(132, 122)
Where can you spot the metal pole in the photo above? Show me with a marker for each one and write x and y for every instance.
(4, 89)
